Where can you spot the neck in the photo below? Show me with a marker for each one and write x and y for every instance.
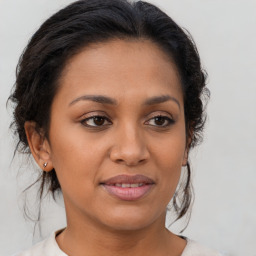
(81, 239)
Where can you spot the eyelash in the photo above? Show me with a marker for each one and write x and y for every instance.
(93, 118)
(167, 119)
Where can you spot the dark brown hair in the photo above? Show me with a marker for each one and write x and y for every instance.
(93, 21)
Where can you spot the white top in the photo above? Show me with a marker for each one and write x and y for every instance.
(49, 247)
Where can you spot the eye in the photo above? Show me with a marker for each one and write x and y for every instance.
(96, 121)
(160, 121)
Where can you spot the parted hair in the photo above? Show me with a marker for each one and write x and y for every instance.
(86, 22)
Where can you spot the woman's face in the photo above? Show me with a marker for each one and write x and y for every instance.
(117, 135)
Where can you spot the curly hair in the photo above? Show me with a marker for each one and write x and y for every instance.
(87, 22)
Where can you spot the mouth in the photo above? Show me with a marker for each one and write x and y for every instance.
(128, 188)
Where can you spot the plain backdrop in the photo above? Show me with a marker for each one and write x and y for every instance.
(224, 172)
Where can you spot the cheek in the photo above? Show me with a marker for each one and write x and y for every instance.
(75, 156)
(170, 151)
(169, 155)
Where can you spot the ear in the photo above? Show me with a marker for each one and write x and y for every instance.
(188, 144)
(185, 157)
(39, 146)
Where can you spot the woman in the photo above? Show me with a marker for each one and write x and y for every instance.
(109, 103)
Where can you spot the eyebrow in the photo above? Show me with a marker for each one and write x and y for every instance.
(107, 100)
(161, 99)
(96, 98)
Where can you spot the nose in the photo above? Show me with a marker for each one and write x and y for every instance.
(129, 146)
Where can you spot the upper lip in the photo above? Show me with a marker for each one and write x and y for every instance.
(128, 179)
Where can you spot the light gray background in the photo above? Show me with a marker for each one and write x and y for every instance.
(224, 213)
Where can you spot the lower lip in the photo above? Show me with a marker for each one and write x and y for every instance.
(128, 194)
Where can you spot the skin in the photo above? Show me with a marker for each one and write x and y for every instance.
(130, 140)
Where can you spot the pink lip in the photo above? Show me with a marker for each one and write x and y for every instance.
(114, 186)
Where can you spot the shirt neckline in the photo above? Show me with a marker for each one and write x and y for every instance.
(59, 231)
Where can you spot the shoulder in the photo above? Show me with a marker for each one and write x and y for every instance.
(47, 247)
(38, 249)
(195, 249)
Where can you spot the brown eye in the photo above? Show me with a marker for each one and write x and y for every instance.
(160, 121)
(96, 121)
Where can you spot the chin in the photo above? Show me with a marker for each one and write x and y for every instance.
(130, 220)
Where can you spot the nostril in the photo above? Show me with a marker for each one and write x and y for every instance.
(129, 152)
(130, 162)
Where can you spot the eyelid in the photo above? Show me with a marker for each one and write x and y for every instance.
(159, 113)
(94, 113)
(91, 115)
(167, 116)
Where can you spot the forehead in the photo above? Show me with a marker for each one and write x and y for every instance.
(120, 67)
